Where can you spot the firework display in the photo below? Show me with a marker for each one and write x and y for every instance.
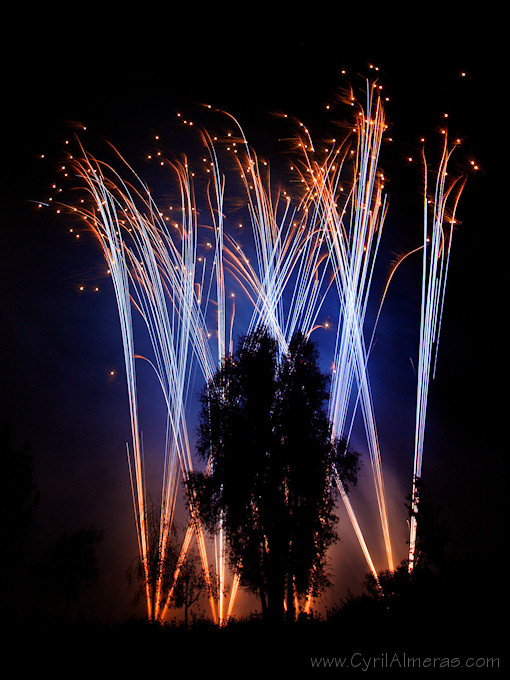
(238, 250)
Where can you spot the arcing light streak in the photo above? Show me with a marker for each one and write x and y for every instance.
(352, 252)
(110, 236)
(352, 255)
(437, 241)
(292, 249)
(355, 260)
(323, 244)
(157, 270)
(357, 528)
(282, 248)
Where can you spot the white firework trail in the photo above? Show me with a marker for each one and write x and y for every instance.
(438, 226)
(150, 273)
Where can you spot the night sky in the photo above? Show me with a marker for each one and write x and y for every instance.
(124, 77)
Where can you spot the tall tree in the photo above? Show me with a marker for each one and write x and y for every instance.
(433, 536)
(181, 581)
(265, 432)
(19, 496)
(191, 584)
(156, 579)
(68, 567)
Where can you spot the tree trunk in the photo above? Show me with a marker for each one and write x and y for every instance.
(276, 594)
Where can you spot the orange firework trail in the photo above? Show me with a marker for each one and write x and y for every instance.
(316, 244)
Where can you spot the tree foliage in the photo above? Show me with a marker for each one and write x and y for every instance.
(191, 584)
(433, 534)
(412, 595)
(19, 496)
(183, 587)
(68, 567)
(265, 432)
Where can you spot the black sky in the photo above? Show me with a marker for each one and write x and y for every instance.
(125, 75)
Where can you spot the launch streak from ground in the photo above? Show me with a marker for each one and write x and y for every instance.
(438, 228)
(300, 252)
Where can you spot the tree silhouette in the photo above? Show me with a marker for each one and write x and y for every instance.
(181, 591)
(413, 596)
(433, 534)
(161, 563)
(266, 434)
(190, 585)
(68, 567)
(19, 496)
